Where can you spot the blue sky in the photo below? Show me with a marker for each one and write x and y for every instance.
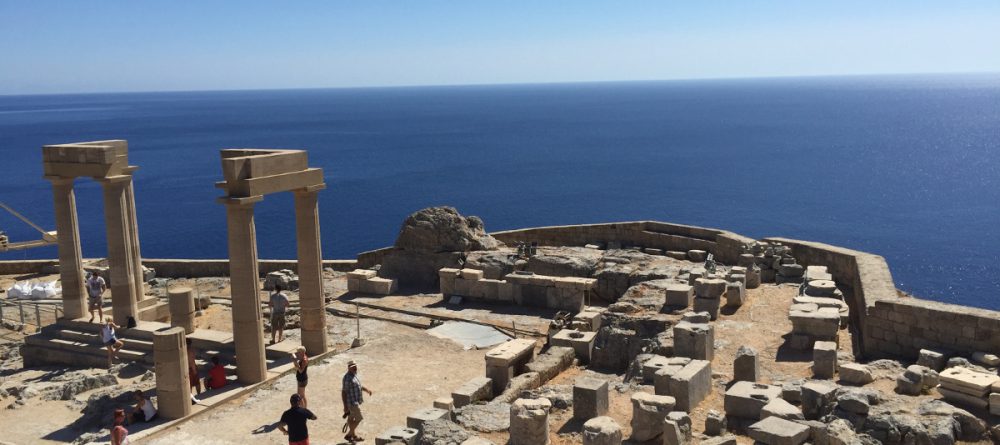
(94, 46)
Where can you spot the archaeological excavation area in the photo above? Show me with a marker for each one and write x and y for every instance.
(622, 333)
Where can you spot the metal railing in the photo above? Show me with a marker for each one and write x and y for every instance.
(29, 313)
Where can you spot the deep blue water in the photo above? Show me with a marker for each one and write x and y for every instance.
(907, 166)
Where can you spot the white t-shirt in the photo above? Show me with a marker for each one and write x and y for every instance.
(107, 333)
(148, 410)
(94, 285)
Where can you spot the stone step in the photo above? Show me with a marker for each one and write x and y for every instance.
(95, 339)
(85, 349)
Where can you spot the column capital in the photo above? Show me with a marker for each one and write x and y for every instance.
(233, 202)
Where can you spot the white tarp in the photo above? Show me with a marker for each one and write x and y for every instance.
(40, 290)
(470, 335)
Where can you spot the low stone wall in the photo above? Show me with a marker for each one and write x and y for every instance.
(902, 327)
(16, 267)
(653, 234)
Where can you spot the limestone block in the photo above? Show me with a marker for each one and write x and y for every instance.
(398, 434)
(651, 365)
(963, 399)
(361, 274)
(602, 431)
(986, 359)
(715, 423)
(816, 324)
(745, 365)
(676, 254)
(499, 376)
(556, 359)
(968, 381)
(856, 374)
(792, 391)
(588, 320)
(791, 270)
(590, 398)
(652, 251)
(818, 398)
(581, 342)
(679, 295)
(854, 402)
(418, 418)
(479, 388)
(777, 431)
(696, 317)
(820, 288)
(735, 293)
(182, 308)
(721, 440)
(753, 278)
(354, 285)
(505, 292)
(381, 286)
(445, 403)
(709, 287)
(677, 428)
(648, 413)
(781, 408)
(694, 274)
(663, 375)
(529, 422)
(709, 305)
(932, 359)
(746, 399)
(695, 341)
(691, 384)
(514, 353)
(824, 359)
(472, 274)
(697, 256)
(994, 404)
(476, 440)
(816, 273)
(173, 388)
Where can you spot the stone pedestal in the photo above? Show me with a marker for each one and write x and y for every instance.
(248, 331)
(181, 301)
(694, 340)
(121, 260)
(602, 431)
(74, 292)
(529, 422)
(824, 359)
(311, 298)
(648, 413)
(590, 398)
(173, 387)
(745, 366)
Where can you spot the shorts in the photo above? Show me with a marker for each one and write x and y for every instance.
(111, 342)
(139, 416)
(356, 413)
(300, 442)
(277, 321)
(302, 383)
(95, 303)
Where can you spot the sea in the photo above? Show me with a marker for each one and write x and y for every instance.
(907, 167)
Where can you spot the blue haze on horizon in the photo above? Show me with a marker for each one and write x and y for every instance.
(73, 47)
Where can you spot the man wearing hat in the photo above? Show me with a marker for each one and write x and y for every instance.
(353, 398)
(295, 420)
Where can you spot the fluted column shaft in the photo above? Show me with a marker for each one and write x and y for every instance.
(248, 331)
(120, 259)
(74, 292)
(310, 269)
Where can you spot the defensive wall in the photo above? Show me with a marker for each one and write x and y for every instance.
(886, 323)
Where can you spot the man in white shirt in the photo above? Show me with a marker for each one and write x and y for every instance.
(95, 289)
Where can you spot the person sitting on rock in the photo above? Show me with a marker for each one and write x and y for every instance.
(217, 375)
(144, 410)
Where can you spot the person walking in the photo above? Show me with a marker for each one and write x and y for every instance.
(110, 340)
(295, 420)
(301, 362)
(278, 304)
(119, 434)
(95, 292)
(353, 398)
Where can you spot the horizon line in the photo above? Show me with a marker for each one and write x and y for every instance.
(483, 84)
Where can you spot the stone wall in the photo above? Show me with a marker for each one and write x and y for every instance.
(901, 327)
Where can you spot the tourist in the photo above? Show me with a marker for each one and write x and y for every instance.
(144, 410)
(278, 304)
(301, 361)
(110, 340)
(95, 290)
(217, 375)
(351, 393)
(193, 370)
(119, 435)
(295, 419)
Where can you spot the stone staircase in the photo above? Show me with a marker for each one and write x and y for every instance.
(77, 343)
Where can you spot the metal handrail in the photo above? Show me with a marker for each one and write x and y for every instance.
(38, 309)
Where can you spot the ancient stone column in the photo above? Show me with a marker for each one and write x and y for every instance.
(181, 301)
(70, 260)
(529, 422)
(120, 262)
(248, 332)
(311, 299)
(133, 236)
(173, 387)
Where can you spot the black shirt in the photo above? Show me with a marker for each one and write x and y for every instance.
(295, 418)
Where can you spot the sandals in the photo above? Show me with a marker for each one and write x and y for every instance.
(353, 439)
